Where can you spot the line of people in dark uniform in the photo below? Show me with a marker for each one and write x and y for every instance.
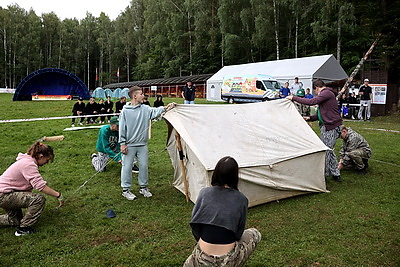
(103, 107)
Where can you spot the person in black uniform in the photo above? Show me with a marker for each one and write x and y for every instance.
(91, 109)
(159, 102)
(109, 107)
(120, 104)
(78, 110)
(101, 109)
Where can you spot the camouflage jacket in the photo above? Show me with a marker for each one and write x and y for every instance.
(352, 141)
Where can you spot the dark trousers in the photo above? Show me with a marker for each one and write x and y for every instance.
(74, 113)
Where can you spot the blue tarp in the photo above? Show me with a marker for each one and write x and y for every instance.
(50, 81)
(124, 92)
(108, 92)
(117, 93)
(99, 93)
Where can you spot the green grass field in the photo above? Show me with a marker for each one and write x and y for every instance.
(356, 224)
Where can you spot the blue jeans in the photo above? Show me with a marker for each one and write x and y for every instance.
(142, 154)
(188, 102)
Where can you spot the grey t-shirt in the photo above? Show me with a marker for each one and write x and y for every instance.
(219, 206)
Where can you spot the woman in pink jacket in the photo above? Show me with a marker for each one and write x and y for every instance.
(16, 185)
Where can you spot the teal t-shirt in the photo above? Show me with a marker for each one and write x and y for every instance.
(107, 142)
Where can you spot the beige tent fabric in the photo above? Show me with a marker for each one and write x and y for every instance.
(279, 155)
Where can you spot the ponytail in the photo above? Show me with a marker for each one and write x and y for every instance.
(39, 148)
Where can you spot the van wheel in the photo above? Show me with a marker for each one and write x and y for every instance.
(230, 100)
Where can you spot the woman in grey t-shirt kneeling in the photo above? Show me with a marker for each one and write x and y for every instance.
(219, 220)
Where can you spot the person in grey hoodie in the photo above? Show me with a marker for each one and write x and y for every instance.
(330, 122)
(134, 125)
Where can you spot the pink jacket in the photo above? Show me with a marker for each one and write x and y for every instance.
(22, 175)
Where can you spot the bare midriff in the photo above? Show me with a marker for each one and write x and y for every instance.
(215, 249)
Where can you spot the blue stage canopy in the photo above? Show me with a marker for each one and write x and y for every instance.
(50, 81)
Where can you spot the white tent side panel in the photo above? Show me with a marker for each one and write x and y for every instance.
(260, 184)
(279, 155)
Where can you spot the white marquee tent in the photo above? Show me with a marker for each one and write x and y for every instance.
(279, 155)
(324, 67)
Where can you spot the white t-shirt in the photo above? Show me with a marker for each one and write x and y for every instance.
(295, 87)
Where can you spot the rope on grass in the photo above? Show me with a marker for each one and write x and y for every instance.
(57, 118)
(388, 163)
(80, 187)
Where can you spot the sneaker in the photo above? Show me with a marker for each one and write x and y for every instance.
(145, 192)
(337, 178)
(135, 169)
(72, 125)
(365, 161)
(81, 123)
(363, 171)
(23, 231)
(128, 195)
(94, 155)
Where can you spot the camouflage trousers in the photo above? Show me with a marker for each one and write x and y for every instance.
(13, 202)
(99, 163)
(303, 109)
(355, 158)
(236, 257)
(329, 139)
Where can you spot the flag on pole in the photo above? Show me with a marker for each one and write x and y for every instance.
(97, 74)
(118, 72)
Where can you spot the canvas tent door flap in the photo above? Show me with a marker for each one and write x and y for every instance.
(279, 155)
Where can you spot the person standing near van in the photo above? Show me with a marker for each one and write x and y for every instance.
(365, 92)
(284, 91)
(189, 93)
(308, 94)
(296, 86)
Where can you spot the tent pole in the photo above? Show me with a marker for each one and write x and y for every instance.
(179, 144)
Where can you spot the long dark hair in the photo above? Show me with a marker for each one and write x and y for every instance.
(226, 173)
(39, 148)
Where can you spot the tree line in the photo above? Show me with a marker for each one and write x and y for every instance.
(168, 38)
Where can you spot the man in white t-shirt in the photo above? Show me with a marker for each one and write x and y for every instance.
(295, 86)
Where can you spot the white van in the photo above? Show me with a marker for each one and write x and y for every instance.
(249, 88)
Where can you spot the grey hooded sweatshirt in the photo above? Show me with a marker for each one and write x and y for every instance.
(134, 123)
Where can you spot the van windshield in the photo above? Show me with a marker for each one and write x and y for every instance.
(273, 85)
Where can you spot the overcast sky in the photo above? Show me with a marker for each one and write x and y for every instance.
(71, 8)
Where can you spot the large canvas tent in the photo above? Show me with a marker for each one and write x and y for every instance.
(279, 155)
(324, 67)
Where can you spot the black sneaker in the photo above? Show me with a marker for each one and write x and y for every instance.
(23, 231)
(363, 171)
(135, 169)
(365, 161)
(337, 178)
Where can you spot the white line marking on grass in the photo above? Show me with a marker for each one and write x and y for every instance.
(384, 130)
(392, 164)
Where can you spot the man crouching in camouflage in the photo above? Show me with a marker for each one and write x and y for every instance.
(355, 151)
